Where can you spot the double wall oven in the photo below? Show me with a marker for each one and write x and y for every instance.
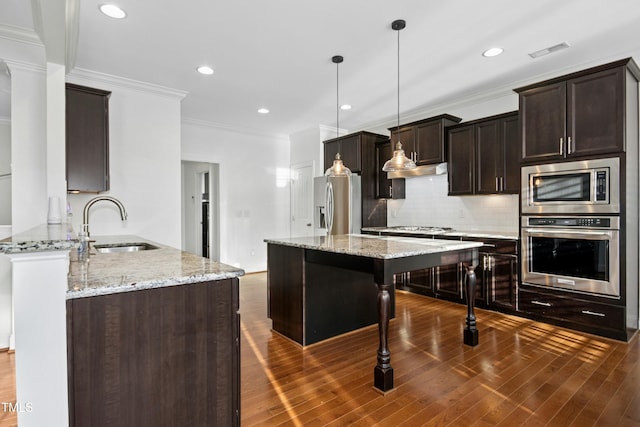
(570, 226)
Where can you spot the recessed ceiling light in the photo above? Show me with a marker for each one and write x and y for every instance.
(494, 51)
(345, 107)
(205, 69)
(113, 11)
(263, 111)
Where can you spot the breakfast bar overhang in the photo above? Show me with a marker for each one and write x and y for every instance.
(320, 287)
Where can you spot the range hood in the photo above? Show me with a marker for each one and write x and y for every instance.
(435, 169)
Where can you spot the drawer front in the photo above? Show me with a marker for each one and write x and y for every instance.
(575, 310)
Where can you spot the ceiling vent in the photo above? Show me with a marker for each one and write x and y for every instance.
(548, 50)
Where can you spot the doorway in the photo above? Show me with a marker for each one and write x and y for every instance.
(200, 209)
(302, 199)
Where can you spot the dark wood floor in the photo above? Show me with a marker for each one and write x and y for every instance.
(522, 373)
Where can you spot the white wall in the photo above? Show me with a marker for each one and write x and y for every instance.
(5, 171)
(254, 188)
(426, 201)
(28, 146)
(144, 161)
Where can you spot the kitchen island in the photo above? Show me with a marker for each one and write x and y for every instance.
(147, 338)
(319, 287)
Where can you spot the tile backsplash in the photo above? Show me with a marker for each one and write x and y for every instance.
(427, 203)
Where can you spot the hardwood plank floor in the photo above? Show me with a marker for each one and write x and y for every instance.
(522, 373)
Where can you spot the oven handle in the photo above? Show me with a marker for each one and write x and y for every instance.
(539, 232)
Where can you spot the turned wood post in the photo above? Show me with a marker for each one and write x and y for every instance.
(470, 332)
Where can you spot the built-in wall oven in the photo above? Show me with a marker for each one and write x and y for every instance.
(570, 226)
(575, 253)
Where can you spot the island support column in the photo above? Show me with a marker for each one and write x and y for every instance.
(470, 334)
(383, 372)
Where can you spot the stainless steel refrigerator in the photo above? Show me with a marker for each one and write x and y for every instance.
(337, 205)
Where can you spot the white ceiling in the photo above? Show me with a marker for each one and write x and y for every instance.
(277, 54)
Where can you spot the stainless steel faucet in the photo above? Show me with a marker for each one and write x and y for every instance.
(85, 212)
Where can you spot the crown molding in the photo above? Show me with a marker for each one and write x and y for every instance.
(23, 66)
(19, 34)
(88, 77)
(237, 129)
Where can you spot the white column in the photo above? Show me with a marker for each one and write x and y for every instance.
(39, 300)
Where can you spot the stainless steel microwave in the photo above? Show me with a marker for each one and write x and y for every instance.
(580, 187)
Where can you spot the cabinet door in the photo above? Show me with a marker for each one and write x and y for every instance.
(543, 121)
(595, 113)
(87, 139)
(501, 280)
(406, 139)
(386, 188)
(429, 143)
(350, 149)
(448, 282)
(488, 157)
(511, 155)
(461, 165)
(421, 281)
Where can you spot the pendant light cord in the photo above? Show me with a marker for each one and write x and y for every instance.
(398, 116)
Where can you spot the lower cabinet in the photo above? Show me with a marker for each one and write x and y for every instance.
(570, 310)
(165, 356)
(496, 277)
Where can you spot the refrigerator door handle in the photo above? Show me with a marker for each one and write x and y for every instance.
(329, 202)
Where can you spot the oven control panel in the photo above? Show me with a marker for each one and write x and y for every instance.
(589, 222)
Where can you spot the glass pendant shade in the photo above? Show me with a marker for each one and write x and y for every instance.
(338, 168)
(399, 161)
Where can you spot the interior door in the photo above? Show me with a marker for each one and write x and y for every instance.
(302, 199)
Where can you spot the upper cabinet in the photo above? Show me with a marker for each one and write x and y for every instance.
(87, 139)
(578, 115)
(350, 148)
(424, 140)
(484, 156)
(387, 188)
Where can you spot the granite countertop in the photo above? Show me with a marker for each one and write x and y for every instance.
(383, 247)
(40, 239)
(453, 233)
(108, 273)
(103, 274)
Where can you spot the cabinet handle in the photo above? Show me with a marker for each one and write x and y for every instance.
(561, 146)
(391, 192)
(501, 183)
(593, 313)
(497, 184)
(569, 145)
(545, 304)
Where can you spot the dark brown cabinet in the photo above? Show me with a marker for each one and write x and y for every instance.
(461, 167)
(578, 115)
(484, 156)
(87, 139)
(358, 152)
(570, 310)
(499, 273)
(387, 188)
(498, 156)
(424, 140)
(165, 356)
(350, 148)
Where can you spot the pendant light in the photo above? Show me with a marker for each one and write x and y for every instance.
(338, 168)
(399, 161)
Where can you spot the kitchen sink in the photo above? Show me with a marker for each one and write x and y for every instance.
(123, 247)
